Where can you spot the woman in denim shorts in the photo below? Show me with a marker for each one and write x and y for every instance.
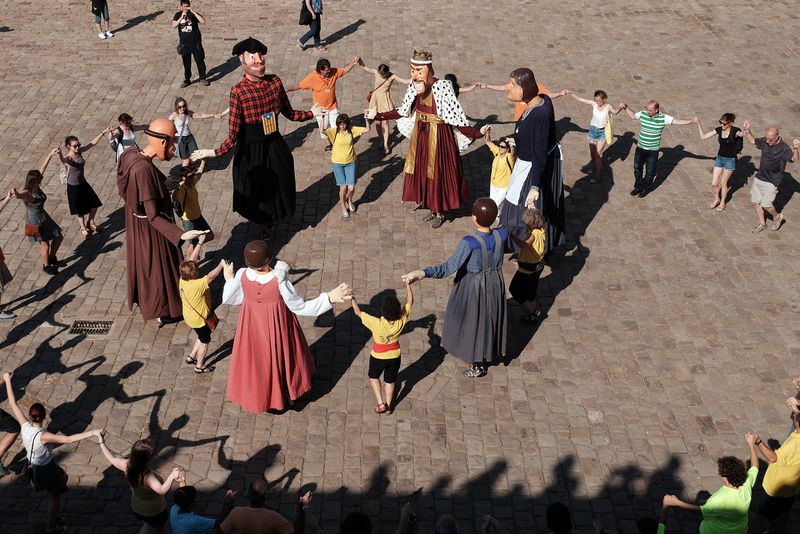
(597, 128)
(725, 162)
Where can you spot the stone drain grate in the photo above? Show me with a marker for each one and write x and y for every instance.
(91, 328)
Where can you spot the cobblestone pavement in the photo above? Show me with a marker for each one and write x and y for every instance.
(670, 329)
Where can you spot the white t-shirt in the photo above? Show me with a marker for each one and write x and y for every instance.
(38, 453)
(599, 117)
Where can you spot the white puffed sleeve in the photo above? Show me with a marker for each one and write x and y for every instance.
(297, 305)
(232, 292)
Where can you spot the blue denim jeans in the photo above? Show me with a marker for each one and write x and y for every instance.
(644, 159)
(313, 30)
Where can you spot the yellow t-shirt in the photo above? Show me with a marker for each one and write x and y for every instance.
(386, 332)
(187, 197)
(501, 167)
(533, 253)
(782, 478)
(343, 151)
(196, 300)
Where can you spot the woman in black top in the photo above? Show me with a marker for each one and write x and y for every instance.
(730, 144)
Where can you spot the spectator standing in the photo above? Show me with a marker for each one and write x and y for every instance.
(322, 83)
(727, 509)
(46, 474)
(385, 356)
(652, 123)
(190, 42)
(781, 479)
(314, 7)
(257, 519)
(100, 9)
(5, 278)
(775, 154)
(184, 521)
(730, 144)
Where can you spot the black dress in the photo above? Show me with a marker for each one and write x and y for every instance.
(81, 197)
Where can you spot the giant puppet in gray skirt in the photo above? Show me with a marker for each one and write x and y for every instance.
(476, 316)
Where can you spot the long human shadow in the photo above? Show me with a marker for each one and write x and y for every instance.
(745, 168)
(135, 21)
(565, 125)
(670, 157)
(218, 72)
(431, 359)
(4, 29)
(786, 191)
(344, 32)
(75, 416)
(243, 472)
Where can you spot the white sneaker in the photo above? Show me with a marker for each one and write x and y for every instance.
(351, 208)
(109, 34)
(101, 35)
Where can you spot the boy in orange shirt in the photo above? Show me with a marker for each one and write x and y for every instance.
(322, 83)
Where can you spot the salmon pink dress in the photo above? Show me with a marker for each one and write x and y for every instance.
(271, 363)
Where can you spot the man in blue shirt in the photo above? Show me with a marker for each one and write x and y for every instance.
(184, 521)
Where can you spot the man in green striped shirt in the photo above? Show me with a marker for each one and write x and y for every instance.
(652, 123)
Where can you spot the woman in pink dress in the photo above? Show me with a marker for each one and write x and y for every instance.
(271, 365)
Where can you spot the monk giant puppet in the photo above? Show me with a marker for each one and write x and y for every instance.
(153, 241)
(432, 118)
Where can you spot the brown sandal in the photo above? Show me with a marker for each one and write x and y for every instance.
(381, 408)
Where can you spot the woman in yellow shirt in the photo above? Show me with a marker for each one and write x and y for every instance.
(196, 300)
(343, 158)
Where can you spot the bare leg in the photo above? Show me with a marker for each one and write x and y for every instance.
(195, 349)
(190, 252)
(772, 211)
(723, 186)
(760, 214)
(376, 389)
(715, 188)
(385, 133)
(343, 198)
(389, 388)
(201, 353)
(351, 192)
(90, 220)
(7, 442)
(599, 146)
(82, 222)
(44, 250)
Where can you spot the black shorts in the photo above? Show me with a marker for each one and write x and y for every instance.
(155, 521)
(50, 478)
(524, 286)
(389, 369)
(195, 224)
(203, 334)
(8, 424)
(772, 507)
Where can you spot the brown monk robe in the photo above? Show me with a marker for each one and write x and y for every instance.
(153, 239)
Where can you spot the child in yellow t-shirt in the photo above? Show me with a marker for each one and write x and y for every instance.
(505, 156)
(385, 356)
(525, 283)
(196, 300)
(343, 158)
(187, 205)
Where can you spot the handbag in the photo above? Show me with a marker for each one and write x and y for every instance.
(32, 230)
(305, 14)
(369, 95)
(609, 130)
(211, 320)
(63, 172)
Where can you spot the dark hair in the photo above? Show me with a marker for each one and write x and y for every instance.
(186, 2)
(391, 309)
(37, 412)
(383, 70)
(189, 270)
(525, 79)
(69, 139)
(178, 101)
(533, 219)
(454, 81)
(257, 492)
(559, 519)
(184, 498)
(356, 523)
(185, 172)
(344, 118)
(733, 469)
(323, 63)
(728, 117)
(602, 94)
(647, 525)
(32, 179)
(124, 117)
(504, 140)
(141, 452)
